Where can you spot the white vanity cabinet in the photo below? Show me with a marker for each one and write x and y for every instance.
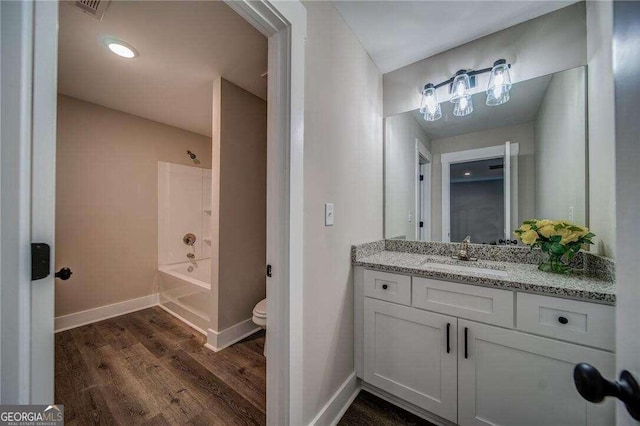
(506, 377)
(473, 355)
(412, 354)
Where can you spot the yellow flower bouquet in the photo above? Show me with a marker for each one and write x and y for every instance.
(560, 239)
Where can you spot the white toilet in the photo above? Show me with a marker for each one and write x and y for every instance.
(260, 319)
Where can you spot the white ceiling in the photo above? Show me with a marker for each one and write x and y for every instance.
(183, 46)
(399, 33)
(523, 105)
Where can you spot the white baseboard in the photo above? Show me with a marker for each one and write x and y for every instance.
(218, 340)
(339, 403)
(66, 322)
(427, 415)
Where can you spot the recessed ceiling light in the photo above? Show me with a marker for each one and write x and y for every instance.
(467, 173)
(120, 48)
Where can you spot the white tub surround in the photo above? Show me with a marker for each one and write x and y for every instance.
(185, 292)
(184, 206)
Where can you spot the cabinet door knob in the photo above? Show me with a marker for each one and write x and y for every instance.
(563, 320)
(594, 388)
(385, 286)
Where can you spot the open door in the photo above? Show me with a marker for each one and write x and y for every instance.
(29, 74)
(626, 68)
(626, 73)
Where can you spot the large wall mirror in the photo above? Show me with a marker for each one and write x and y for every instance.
(482, 174)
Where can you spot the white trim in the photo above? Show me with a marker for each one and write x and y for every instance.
(339, 403)
(285, 24)
(77, 319)
(218, 340)
(461, 157)
(427, 415)
(421, 150)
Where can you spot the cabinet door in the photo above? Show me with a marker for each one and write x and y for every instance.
(513, 378)
(406, 354)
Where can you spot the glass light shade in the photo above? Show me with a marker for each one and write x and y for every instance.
(460, 87)
(499, 84)
(463, 107)
(429, 107)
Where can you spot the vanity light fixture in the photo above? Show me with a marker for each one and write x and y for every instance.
(430, 108)
(120, 48)
(499, 84)
(463, 107)
(460, 86)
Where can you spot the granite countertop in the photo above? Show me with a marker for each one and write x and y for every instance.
(500, 274)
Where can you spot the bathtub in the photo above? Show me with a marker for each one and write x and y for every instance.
(185, 291)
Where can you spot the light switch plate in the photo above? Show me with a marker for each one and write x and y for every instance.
(328, 214)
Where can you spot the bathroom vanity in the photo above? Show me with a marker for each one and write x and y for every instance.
(492, 342)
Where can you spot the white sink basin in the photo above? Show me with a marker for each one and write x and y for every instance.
(466, 269)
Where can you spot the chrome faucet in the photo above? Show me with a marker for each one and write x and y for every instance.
(463, 252)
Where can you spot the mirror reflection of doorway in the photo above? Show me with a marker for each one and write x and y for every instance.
(477, 200)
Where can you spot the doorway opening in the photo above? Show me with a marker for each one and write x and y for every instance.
(479, 194)
(423, 192)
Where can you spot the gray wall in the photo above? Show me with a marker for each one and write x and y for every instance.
(521, 134)
(107, 201)
(241, 228)
(538, 47)
(401, 132)
(343, 165)
(602, 200)
(477, 210)
(560, 161)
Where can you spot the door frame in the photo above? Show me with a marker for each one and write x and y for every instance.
(27, 200)
(422, 151)
(28, 148)
(463, 157)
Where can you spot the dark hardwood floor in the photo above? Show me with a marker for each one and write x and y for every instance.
(368, 409)
(149, 368)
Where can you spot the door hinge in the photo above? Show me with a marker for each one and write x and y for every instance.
(421, 224)
(40, 261)
(421, 177)
(268, 270)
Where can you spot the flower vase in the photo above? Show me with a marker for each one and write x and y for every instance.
(554, 263)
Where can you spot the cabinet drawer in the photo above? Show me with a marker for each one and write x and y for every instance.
(580, 322)
(385, 286)
(482, 304)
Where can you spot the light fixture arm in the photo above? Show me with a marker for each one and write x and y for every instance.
(470, 74)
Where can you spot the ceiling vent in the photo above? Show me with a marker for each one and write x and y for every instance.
(95, 8)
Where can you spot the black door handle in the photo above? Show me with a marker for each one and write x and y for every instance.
(64, 274)
(595, 388)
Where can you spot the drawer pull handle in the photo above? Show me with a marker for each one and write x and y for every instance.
(466, 343)
(563, 320)
(448, 342)
(385, 286)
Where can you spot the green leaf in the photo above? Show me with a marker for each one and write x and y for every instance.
(556, 238)
(557, 248)
(574, 229)
(589, 235)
